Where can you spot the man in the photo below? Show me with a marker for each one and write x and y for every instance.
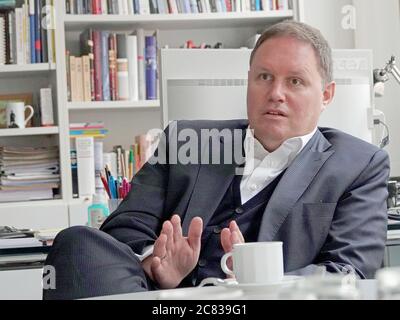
(320, 191)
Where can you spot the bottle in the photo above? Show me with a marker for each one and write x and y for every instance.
(98, 211)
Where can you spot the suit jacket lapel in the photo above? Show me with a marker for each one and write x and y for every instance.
(294, 182)
(212, 183)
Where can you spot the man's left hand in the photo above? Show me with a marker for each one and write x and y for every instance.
(229, 237)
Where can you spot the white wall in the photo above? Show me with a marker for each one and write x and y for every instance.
(326, 15)
(378, 28)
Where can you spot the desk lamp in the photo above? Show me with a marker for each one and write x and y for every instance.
(380, 77)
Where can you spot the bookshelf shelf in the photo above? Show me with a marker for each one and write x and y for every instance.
(110, 105)
(176, 21)
(26, 69)
(28, 131)
(32, 203)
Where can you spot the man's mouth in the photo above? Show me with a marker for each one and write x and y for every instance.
(275, 113)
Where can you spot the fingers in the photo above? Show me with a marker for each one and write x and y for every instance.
(226, 240)
(156, 268)
(177, 229)
(194, 234)
(231, 236)
(233, 227)
(160, 249)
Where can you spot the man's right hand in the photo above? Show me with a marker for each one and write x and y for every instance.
(174, 256)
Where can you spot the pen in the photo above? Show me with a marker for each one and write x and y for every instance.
(105, 184)
(111, 185)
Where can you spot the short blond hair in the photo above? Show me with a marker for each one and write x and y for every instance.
(306, 33)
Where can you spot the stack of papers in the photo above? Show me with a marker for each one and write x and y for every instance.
(28, 173)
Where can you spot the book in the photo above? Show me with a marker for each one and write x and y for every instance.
(151, 67)
(46, 107)
(132, 55)
(86, 169)
(86, 78)
(105, 72)
(87, 48)
(112, 56)
(98, 65)
(141, 64)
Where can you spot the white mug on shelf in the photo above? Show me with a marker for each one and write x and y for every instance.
(255, 262)
(15, 114)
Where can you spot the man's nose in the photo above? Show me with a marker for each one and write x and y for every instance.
(277, 92)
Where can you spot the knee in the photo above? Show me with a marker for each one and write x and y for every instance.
(73, 236)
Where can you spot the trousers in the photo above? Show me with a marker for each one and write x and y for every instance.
(89, 263)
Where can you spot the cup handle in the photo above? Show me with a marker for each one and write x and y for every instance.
(224, 266)
(31, 115)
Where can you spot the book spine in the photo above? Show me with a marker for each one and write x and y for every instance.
(27, 33)
(123, 79)
(131, 48)
(151, 67)
(141, 64)
(46, 107)
(68, 67)
(19, 39)
(73, 77)
(79, 78)
(38, 40)
(112, 43)
(96, 7)
(87, 48)
(86, 78)
(43, 32)
(98, 77)
(105, 66)
(85, 163)
(32, 29)
(50, 30)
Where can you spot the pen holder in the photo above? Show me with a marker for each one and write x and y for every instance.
(113, 204)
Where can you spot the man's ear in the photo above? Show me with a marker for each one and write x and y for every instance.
(328, 94)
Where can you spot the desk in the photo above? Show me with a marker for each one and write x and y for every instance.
(368, 291)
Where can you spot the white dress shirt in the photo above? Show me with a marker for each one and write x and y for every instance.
(262, 167)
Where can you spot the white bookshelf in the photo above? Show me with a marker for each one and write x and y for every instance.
(29, 132)
(176, 21)
(114, 105)
(123, 119)
(8, 70)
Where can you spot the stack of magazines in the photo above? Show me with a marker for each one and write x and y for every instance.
(29, 173)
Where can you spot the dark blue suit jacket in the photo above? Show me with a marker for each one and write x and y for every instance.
(328, 209)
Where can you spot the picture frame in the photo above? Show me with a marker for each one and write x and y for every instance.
(27, 98)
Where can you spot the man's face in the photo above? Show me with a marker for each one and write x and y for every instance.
(285, 93)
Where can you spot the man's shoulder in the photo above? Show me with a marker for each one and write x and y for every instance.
(350, 144)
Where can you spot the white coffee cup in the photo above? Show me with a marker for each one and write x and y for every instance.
(255, 262)
(15, 114)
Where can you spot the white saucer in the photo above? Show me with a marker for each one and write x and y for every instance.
(286, 281)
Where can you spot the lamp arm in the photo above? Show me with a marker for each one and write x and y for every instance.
(396, 73)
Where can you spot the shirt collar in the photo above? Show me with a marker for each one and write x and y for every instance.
(285, 153)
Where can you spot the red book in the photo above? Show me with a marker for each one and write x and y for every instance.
(96, 6)
(228, 5)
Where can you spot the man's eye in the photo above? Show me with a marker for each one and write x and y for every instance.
(295, 82)
(265, 76)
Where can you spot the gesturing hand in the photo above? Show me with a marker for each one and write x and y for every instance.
(230, 236)
(174, 256)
